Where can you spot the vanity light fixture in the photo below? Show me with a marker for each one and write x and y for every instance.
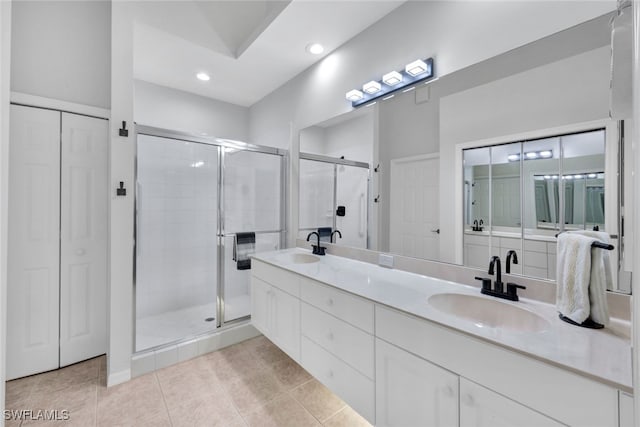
(203, 76)
(592, 175)
(531, 155)
(372, 87)
(392, 78)
(392, 81)
(416, 67)
(547, 177)
(354, 95)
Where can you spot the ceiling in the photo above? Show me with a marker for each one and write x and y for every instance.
(249, 48)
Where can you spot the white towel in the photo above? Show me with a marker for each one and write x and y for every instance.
(601, 276)
(573, 276)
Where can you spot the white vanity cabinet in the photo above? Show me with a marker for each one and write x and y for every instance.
(481, 407)
(398, 369)
(274, 311)
(413, 392)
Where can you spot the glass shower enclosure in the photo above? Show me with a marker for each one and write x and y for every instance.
(193, 195)
(334, 193)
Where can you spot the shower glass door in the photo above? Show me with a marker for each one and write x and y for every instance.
(334, 193)
(253, 197)
(176, 242)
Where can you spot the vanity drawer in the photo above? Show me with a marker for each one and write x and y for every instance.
(348, 343)
(474, 239)
(281, 279)
(535, 246)
(350, 385)
(573, 399)
(352, 309)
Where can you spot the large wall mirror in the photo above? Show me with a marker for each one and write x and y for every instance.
(500, 156)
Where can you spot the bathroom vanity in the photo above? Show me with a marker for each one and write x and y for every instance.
(404, 349)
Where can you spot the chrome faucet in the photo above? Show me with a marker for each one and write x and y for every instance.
(511, 255)
(317, 250)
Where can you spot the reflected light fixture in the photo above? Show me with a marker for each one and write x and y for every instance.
(354, 95)
(531, 155)
(315, 48)
(203, 76)
(416, 67)
(371, 87)
(392, 78)
(592, 175)
(393, 81)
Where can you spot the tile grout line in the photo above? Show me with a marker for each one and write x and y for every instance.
(164, 399)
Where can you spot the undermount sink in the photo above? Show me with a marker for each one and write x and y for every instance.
(303, 258)
(489, 313)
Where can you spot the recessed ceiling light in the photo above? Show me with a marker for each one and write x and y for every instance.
(315, 48)
(203, 76)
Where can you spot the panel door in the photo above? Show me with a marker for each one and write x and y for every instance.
(260, 306)
(481, 407)
(33, 241)
(413, 392)
(414, 228)
(286, 322)
(83, 238)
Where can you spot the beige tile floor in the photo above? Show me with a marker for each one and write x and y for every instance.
(252, 383)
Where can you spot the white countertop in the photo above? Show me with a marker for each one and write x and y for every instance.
(603, 355)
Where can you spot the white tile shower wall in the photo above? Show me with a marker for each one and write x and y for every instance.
(177, 223)
(251, 191)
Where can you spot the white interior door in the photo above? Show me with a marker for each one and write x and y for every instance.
(33, 256)
(83, 238)
(414, 214)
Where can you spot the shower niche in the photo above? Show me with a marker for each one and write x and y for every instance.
(194, 195)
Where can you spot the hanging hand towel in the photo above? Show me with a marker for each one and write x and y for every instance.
(325, 234)
(573, 276)
(244, 244)
(601, 277)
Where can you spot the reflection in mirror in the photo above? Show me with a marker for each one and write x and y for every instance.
(334, 179)
(559, 174)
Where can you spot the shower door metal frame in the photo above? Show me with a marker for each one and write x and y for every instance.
(220, 144)
(335, 162)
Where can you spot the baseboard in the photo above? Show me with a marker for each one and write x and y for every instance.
(118, 377)
(152, 360)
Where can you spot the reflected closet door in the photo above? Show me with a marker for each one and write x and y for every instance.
(83, 238)
(33, 257)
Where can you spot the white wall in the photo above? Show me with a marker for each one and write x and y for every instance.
(173, 109)
(458, 34)
(545, 97)
(121, 209)
(352, 139)
(5, 68)
(61, 50)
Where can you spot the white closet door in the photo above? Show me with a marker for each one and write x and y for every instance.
(83, 242)
(33, 256)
